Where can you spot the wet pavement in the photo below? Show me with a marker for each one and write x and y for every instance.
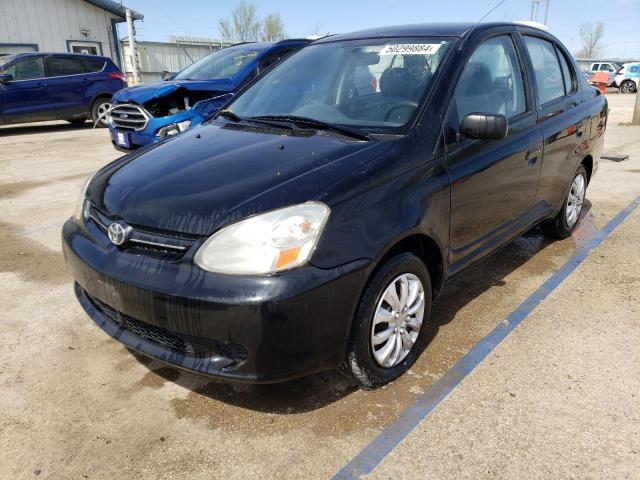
(76, 404)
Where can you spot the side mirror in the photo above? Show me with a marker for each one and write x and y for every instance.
(166, 75)
(485, 126)
(5, 77)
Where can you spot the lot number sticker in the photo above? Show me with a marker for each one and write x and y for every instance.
(410, 49)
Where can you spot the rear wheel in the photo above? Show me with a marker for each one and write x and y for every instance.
(567, 219)
(628, 86)
(388, 333)
(99, 111)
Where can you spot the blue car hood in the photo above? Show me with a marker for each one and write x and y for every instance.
(213, 175)
(143, 93)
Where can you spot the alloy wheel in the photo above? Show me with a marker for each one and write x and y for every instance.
(397, 320)
(575, 199)
(103, 109)
(627, 87)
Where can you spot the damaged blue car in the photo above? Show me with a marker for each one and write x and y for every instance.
(148, 113)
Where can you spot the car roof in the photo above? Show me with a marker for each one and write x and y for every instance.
(61, 54)
(265, 45)
(422, 30)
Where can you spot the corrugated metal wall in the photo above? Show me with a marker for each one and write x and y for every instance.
(50, 23)
(156, 57)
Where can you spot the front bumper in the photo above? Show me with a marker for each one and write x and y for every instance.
(242, 328)
(140, 138)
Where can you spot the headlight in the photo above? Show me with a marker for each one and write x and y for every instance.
(267, 243)
(79, 211)
(173, 129)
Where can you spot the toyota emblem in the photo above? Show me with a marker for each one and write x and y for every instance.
(117, 234)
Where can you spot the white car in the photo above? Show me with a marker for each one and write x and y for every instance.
(628, 77)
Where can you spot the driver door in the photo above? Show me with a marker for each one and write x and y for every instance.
(25, 96)
(493, 182)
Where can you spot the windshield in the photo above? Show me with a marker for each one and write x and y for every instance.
(221, 64)
(372, 84)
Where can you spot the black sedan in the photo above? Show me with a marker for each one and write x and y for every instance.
(314, 220)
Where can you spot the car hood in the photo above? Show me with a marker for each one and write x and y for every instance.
(214, 175)
(143, 93)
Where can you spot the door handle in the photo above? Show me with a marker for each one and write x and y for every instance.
(532, 154)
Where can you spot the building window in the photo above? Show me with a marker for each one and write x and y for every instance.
(13, 48)
(88, 48)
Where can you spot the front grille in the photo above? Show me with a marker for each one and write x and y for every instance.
(129, 116)
(142, 329)
(148, 241)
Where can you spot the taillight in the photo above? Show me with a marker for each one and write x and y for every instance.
(118, 75)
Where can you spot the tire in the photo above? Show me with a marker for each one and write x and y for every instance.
(567, 218)
(628, 86)
(361, 362)
(76, 121)
(98, 107)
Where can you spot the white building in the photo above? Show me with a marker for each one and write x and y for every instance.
(82, 26)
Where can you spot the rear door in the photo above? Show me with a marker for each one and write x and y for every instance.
(493, 182)
(66, 84)
(561, 115)
(25, 99)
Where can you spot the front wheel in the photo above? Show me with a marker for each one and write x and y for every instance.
(99, 111)
(567, 219)
(628, 87)
(388, 333)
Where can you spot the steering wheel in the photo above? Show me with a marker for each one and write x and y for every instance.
(399, 105)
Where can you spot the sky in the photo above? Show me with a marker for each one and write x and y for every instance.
(199, 18)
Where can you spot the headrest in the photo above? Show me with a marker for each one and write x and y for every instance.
(395, 81)
(477, 78)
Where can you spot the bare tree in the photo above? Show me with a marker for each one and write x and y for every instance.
(243, 26)
(272, 28)
(591, 37)
(316, 29)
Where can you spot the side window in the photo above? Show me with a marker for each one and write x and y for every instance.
(634, 69)
(27, 69)
(595, 67)
(546, 69)
(606, 67)
(61, 66)
(491, 82)
(568, 75)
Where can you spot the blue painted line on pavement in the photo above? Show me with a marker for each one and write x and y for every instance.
(395, 432)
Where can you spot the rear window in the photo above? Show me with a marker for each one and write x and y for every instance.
(61, 66)
(93, 65)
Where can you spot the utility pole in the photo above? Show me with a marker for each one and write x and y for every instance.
(534, 10)
(133, 52)
(636, 110)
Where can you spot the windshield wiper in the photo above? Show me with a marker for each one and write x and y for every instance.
(318, 124)
(234, 117)
(230, 115)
